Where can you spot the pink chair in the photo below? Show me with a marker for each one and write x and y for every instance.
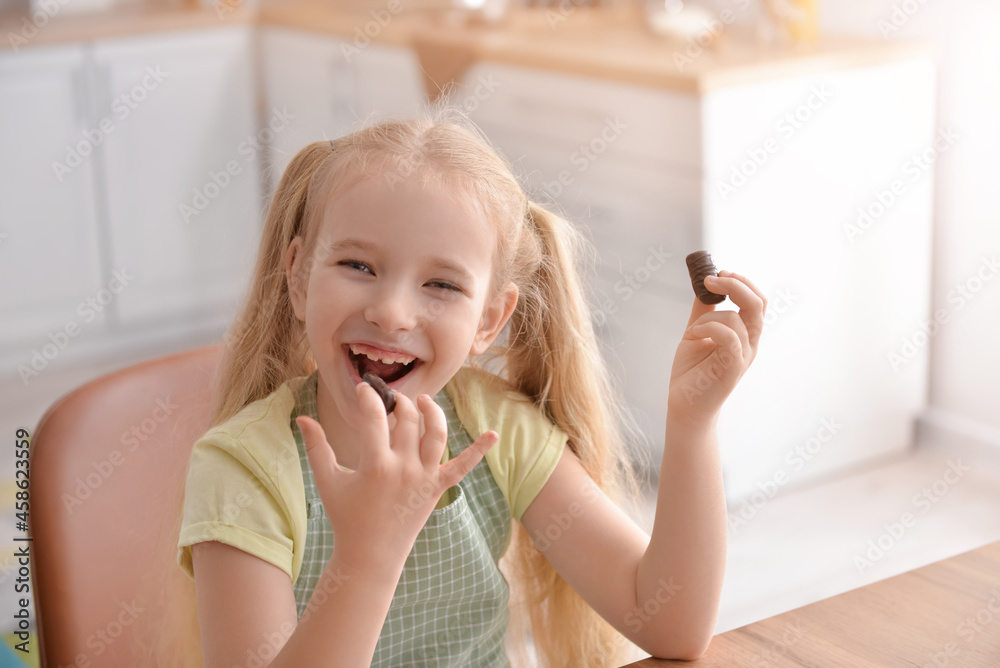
(107, 466)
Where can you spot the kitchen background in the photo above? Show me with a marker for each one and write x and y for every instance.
(848, 166)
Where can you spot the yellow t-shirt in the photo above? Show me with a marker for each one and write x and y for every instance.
(244, 481)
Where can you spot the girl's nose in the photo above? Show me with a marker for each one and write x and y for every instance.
(393, 310)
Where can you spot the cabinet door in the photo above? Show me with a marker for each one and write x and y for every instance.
(49, 243)
(828, 146)
(306, 77)
(182, 172)
(597, 117)
(332, 88)
(388, 83)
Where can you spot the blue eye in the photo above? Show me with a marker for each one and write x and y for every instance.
(444, 286)
(354, 264)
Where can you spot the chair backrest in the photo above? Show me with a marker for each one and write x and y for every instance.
(107, 466)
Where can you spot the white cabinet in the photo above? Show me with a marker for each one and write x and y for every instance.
(183, 209)
(49, 252)
(330, 90)
(130, 207)
(843, 297)
(807, 152)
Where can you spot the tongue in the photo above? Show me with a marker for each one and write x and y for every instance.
(386, 372)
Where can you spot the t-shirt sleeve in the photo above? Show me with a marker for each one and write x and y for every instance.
(530, 444)
(228, 499)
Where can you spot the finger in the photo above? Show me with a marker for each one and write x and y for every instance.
(699, 309)
(406, 432)
(732, 320)
(321, 457)
(374, 425)
(743, 279)
(747, 297)
(727, 342)
(455, 469)
(432, 443)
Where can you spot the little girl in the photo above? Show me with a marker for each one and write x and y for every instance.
(321, 532)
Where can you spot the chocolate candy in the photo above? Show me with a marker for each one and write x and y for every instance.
(700, 265)
(383, 391)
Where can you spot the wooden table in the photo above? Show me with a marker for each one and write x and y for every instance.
(944, 614)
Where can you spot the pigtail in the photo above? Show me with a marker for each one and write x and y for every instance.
(552, 356)
(266, 344)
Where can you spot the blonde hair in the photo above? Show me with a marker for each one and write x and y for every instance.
(550, 352)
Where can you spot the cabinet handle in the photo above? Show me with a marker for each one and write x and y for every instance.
(533, 105)
(78, 91)
(102, 89)
(343, 90)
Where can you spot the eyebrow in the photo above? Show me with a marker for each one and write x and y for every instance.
(350, 244)
(449, 266)
(444, 264)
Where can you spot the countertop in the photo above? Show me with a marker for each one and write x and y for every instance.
(584, 41)
(937, 615)
(20, 32)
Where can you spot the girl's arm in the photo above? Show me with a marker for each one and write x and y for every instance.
(662, 592)
(247, 614)
(246, 606)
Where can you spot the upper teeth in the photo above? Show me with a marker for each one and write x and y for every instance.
(385, 358)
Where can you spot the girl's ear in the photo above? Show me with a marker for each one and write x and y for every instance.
(495, 316)
(296, 277)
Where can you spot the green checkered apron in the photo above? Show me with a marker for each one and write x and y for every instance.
(450, 606)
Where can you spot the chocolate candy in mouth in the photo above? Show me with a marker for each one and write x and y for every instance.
(699, 266)
(383, 391)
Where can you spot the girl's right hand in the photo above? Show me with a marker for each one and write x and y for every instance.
(377, 511)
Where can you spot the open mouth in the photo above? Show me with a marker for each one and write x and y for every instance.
(386, 365)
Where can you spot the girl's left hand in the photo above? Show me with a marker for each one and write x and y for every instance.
(716, 350)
